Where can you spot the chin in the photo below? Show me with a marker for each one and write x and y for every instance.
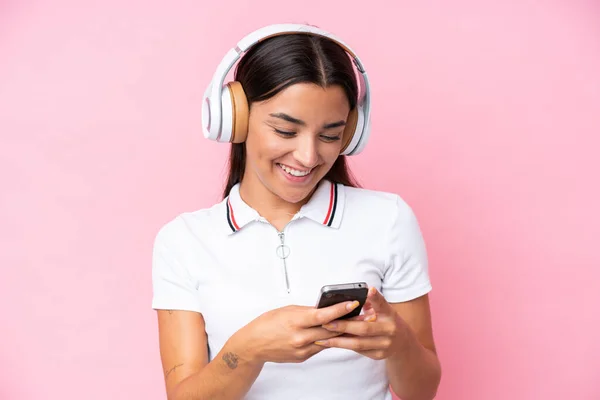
(295, 191)
(294, 196)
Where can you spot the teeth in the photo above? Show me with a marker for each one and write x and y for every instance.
(294, 172)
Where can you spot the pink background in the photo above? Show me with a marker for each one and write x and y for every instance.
(486, 120)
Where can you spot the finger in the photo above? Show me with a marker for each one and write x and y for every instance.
(357, 343)
(310, 335)
(374, 354)
(320, 316)
(359, 328)
(370, 317)
(377, 301)
(306, 352)
(369, 311)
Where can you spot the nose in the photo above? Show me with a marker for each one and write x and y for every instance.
(306, 152)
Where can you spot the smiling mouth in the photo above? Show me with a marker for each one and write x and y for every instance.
(294, 172)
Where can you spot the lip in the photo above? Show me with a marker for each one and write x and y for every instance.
(292, 167)
(295, 179)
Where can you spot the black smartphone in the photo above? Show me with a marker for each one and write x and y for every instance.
(333, 294)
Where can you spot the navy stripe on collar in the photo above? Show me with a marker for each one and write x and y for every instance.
(231, 218)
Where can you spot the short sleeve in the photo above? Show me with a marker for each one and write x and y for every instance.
(407, 273)
(173, 286)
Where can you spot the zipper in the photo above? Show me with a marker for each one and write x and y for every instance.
(282, 251)
(283, 255)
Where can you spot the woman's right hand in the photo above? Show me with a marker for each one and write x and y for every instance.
(288, 334)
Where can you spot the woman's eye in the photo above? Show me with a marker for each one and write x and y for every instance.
(327, 138)
(331, 138)
(285, 133)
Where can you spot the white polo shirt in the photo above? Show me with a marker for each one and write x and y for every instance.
(223, 262)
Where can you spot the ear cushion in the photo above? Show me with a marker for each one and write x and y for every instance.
(350, 129)
(239, 105)
(363, 131)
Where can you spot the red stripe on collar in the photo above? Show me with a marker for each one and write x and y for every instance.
(231, 218)
(332, 203)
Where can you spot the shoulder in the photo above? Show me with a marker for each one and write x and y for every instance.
(380, 205)
(377, 212)
(191, 224)
(384, 215)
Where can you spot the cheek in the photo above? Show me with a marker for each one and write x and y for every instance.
(330, 153)
(273, 147)
(254, 141)
(263, 145)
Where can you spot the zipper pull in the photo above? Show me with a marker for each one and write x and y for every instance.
(283, 251)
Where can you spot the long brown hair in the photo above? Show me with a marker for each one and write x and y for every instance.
(281, 61)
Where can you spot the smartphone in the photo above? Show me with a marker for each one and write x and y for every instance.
(333, 294)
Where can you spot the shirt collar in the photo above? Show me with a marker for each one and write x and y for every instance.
(325, 207)
(237, 213)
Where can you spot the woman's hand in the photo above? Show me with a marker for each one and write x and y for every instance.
(288, 334)
(377, 334)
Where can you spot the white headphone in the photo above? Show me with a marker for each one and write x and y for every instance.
(225, 107)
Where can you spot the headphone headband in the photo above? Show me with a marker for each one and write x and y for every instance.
(213, 127)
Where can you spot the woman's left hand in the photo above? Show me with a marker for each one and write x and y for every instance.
(377, 334)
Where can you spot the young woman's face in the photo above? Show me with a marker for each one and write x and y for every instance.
(294, 138)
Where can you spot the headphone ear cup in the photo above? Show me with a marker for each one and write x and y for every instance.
(350, 129)
(207, 119)
(240, 112)
(357, 139)
(364, 130)
(234, 114)
(226, 127)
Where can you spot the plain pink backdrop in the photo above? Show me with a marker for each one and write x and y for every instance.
(486, 119)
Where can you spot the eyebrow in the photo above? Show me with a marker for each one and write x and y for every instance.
(297, 121)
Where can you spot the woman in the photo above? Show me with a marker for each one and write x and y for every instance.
(235, 285)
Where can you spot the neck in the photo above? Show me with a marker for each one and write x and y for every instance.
(270, 206)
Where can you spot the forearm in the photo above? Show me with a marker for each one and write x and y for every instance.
(414, 372)
(228, 376)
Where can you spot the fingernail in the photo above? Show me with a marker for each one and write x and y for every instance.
(330, 325)
(371, 318)
(321, 342)
(352, 305)
(372, 290)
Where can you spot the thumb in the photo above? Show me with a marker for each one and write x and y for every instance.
(377, 301)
